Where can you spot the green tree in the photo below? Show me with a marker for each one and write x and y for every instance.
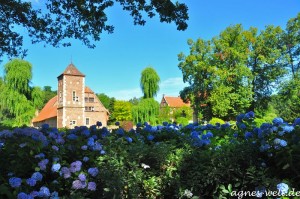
(122, 110)
(105, 100)
(146, 111)
(149, 82)
(19, 101)
(48, 94)
(287, 100)
(83, 20)
(232, 88)
(291, 43)
(266, 62)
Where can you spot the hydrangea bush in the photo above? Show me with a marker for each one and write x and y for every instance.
(164, 161)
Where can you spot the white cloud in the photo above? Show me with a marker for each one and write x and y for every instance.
(170, 87)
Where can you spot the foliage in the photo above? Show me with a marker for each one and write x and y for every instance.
(287, 100)
(122, 110)
(149, 82)
(18, 100)
(48, 94)
(240, 69)
(166, 161)
(105, 100)
(164, 114)
(61, 20)
(146, 111)
(291, 43)
(215, 120)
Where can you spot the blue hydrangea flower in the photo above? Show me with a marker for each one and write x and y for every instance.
(102, 152)
(282, 188)
(34, 194)
(31, 182)
(139, 125)
(117, 123)
(296, 121)
(209, 134)
(77, 184)
(55, 167)
(85, 159)
(82, 177)
(91, 141)
(240, 117)
(99, 124)
(86, 133)
(40, 155)
(55, 148)
(72, 136)
(84, 147)
(120, 132)
(97, 146)
(22, 195)
(288, 129)
(264, 147)
(15, 182)
(277, 121)
(45, 126)
(37, 176)
(129, 139)
(248, 135)
(249, 115)
(91, 186)
(150, 137)
(75, 166)
(54, 195)
(44, 192)
(93, 171)
(65, 172)
(43, 163)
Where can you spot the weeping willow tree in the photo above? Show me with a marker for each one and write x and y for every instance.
(18, 100)
(149, 82)
(147, 109)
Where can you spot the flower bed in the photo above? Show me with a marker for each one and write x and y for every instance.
(167, 161)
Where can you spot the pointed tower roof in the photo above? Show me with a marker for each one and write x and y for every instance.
(72, 71)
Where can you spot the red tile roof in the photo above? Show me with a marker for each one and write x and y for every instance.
(88, 90)
(175, 102)
(49, 110)
(72, 70)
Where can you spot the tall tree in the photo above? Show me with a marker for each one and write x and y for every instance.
(105, 100)
(122, 110)
(48, 94)
(266, 62)
(147, 108)
(18, 100)
(291, 43)
(149, 82)
(83, 20)
(287, 100)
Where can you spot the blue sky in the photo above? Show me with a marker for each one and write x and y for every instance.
(115, 65)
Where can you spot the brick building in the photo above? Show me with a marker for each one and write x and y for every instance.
(74, 105)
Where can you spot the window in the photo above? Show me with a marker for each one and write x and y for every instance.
(91, 99)
(89, 108)
(86, 99)
(72, 122)
(60, 96)
(87, 121)
(74, 96)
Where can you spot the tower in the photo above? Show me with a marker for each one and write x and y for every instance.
(70, 97)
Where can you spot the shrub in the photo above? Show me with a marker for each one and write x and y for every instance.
(168, 161)
(215, 120)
